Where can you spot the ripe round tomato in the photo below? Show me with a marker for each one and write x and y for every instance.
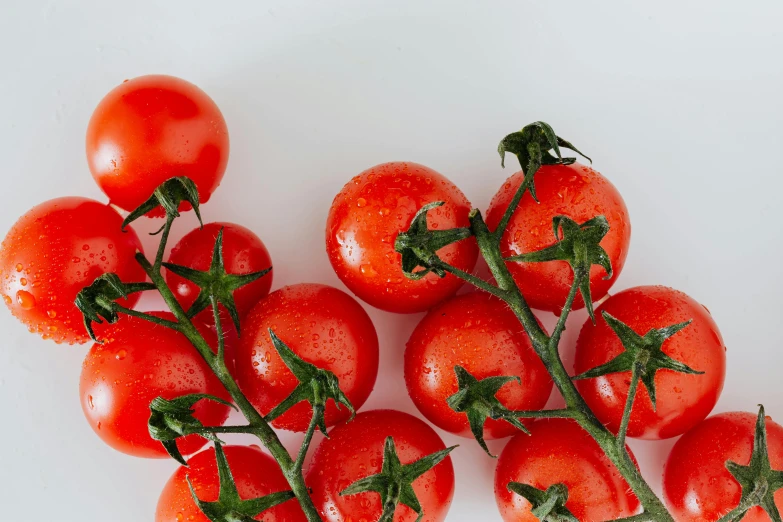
(683, 400)
(560, 451)
(255, 473)
(355, 450)
(322, 325)
(364, 221)
(139, 362)
(696, 484)
(578, 192)
(243, 253)
(53, 252)
(481, 334)
(150, 129)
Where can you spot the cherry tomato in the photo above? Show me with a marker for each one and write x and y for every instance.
(364, 221)
(322, 325)
(53, 252)
(578, 192)
(150, 129)
(559, 451)
(480, 333)
(696, 484)
(683, 400)
(139, 362)
(243, 253)
(355, 450)
(255, 473)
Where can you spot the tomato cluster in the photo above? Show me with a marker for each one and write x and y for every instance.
(153, 128)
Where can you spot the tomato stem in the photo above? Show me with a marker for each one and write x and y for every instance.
(147, 317)
(628, 406)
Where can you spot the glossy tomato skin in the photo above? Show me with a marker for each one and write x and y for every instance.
(560, 451)
(255, 473)
(150, 129)
(364, 221)
(480, 333)
(53, 252)
(324, 326)
(682, 400)
(243, 253)
(138, 362)
(697, 487)
(355, 450)
(578, 192)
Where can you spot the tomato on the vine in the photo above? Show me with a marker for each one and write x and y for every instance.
(322, 325)
(559, 451)
(255, 473)
(683, 400)
(697, 486)
(138, 362)
(575, 191)
(53, 252)
(152, 128)
(364, 221)
(243, 253)
(480, 333)
(354, 451)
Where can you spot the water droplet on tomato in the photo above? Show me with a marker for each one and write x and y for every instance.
(25, 299)
(19, 267)
(90, 402)
(23, 281)
(121, 355)
(368, 270)
(51, 313)
(85, 247)
(7, 299)
(361, 202)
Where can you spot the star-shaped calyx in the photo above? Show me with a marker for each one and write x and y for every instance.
(758, 480)
(170, 196)
(642, 355)
(476, 398)
(580, 246)
(547, 505)
(395, 481)
(216, 283)
(229, 506)
(316, 386)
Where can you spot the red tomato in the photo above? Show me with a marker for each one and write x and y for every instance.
(150, 129)
(364, 221)
(255, 473)
(53, 252)
(560, 451)
(139, 362)
(683, 400)
(322, 325)
(696, 484)
(243, 253)
(578, 192)
(480, 333)
(355, 450)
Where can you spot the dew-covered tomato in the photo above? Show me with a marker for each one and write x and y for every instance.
(683, 400)
(150, 129)
(255, 473)
(480, 333)
(354, 451)
(243, 253)
(138, 362)
(364, 221)
(559, 451)
(322, 325)
(53, 252)
(578, 192)
(697, 486)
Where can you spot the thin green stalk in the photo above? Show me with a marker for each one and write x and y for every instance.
(317, 412)
(147, 317)
(563, 413)
(497, 235)
(164, 238)
(628, 406)
(470, 278)
(561, 321)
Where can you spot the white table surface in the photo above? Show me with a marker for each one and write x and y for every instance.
(679, 104)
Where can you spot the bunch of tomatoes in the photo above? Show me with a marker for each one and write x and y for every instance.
(153, 128)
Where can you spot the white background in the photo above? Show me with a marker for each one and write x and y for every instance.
(679, 104)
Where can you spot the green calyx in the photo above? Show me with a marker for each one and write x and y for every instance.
(229, 506)
(642, 355)
(477, 400)
(215, 283)
(580, 246)
(96, 302)
(548, 505)
(395, 481)
(316, 386)
(169, 195)
(419, 245)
